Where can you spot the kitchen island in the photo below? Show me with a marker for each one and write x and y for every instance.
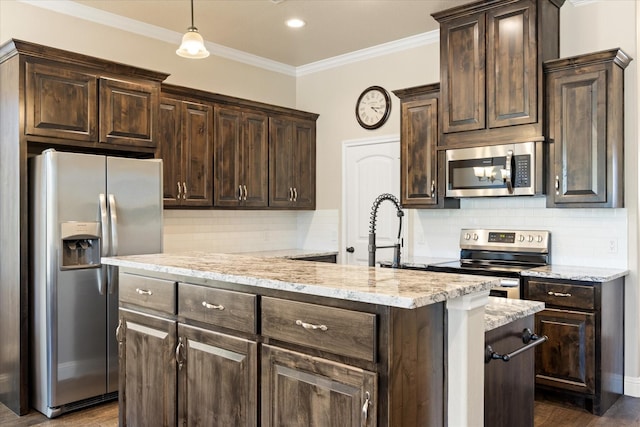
(320, 343)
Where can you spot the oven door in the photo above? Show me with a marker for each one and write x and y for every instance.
(499, 170)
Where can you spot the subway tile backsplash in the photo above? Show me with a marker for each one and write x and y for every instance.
(590, 237)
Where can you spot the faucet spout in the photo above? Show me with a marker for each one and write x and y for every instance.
(372, 230)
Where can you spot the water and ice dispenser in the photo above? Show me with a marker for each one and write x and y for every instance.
(80, 245)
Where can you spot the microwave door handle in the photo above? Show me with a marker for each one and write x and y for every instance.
(507, 166)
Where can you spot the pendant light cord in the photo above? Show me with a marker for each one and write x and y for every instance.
(192, 26)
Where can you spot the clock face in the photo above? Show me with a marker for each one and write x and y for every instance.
(373, 107)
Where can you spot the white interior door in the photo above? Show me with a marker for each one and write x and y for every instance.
(370, 168)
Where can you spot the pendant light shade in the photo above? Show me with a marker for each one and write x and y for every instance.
(192, 45)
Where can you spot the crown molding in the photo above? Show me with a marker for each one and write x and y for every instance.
(418, 40)
(80, 11)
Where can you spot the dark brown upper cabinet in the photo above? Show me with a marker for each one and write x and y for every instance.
(128, 112)
(88, 103)
(241, 147)
(186, 148)
(421, 169)
(585, 109)
(292, 163)
(491, 56)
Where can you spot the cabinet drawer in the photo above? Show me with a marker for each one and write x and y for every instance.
(233, 310)
(562, 294)
(339, 331)
(156, 294)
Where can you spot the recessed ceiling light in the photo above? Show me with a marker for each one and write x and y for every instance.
(295, 23)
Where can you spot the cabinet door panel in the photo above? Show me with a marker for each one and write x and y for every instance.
(300, 390)
(304, 181)
(147, 370)
(197, 156)
(228, 145)
(218, 381)
(170, 150)
(462, 49)
(567, 359)
(254, 159)
(61, 103)
(128, 112)
(418, 154)
(578, 130)
(512, 65)
(280, 160)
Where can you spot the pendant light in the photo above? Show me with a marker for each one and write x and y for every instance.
(192, 43)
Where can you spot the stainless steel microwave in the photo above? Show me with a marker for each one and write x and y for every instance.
(494, 170)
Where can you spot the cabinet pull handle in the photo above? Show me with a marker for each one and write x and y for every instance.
(118, 331)
(184, 193)
(365, 407)
(528, 338)
(239, 193)
(290, 194)
(295, 194)
(557, 185)
(179, 356)
(311, 326)
(558, 294)
(433, 189)
(179, 190)
(143, 291)
(212, 306)
(245, 193)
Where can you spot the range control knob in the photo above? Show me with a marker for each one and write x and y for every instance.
(530, 238)
(539, 238)
(521, 238)
(475, 236)
(467, 236)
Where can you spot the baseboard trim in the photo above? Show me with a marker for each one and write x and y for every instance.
(632, 386)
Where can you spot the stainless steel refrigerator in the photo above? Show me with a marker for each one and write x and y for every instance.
(83, 207)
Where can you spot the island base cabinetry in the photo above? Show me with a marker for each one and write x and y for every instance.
(221, 354)
(302, 390)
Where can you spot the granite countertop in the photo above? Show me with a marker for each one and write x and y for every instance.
(289, 253)
(501, 311)
(569, 272)
(416, 261)
(384, 286)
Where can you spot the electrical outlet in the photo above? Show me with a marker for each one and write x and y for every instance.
(612, 246)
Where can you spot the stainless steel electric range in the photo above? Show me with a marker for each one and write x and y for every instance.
(501, 253)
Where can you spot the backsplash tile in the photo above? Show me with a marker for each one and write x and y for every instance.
(590, 237)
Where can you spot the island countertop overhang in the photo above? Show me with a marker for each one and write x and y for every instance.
(384, 286)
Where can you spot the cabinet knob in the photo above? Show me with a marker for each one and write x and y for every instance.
(351, 249)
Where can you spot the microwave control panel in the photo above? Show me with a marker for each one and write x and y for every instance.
(522, 176)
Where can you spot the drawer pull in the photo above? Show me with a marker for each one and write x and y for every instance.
(558, 294)
(311, 325)
(213, 306)
(143, 291)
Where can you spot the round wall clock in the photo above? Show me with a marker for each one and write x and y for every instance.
(373, 107)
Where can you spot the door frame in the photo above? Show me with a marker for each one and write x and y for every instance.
(346, 144)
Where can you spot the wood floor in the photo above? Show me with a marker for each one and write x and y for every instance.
(625, 413)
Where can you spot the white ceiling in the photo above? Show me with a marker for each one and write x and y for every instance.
(257, 27)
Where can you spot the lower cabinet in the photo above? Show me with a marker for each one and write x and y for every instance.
(205, 355)
(300, 390)
(583, 360)
(217, 379)
(146, 352)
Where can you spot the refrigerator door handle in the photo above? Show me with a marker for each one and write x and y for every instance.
(114, 224)
(104, 247)
(112, 278)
